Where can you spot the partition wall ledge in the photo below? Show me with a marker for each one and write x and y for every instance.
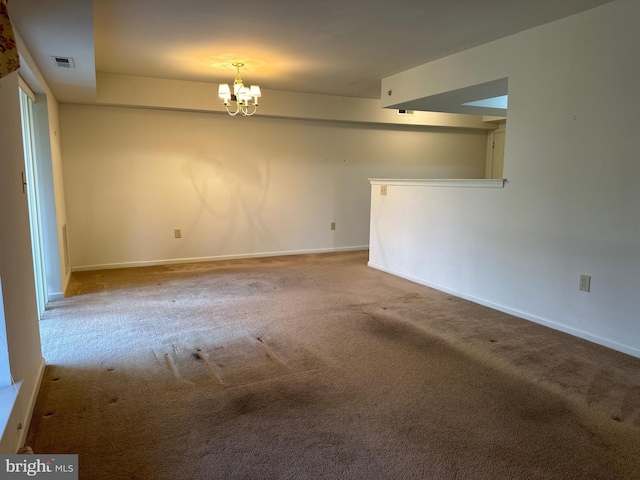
(442, 182)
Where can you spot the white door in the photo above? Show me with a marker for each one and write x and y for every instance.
(495, 152)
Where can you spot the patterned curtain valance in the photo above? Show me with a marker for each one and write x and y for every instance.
(9, 59)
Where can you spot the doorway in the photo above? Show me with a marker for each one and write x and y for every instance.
(495, 152)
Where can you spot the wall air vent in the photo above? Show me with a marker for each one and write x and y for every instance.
(64, 62)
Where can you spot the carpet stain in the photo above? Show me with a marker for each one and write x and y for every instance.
(248, 403)
(278, 398)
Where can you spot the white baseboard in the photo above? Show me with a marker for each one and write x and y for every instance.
(171, 261)
(56, 296)
(614, 345)
(26, 421)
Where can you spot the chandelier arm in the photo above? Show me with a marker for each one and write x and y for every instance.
(255, 109)
(233, 114)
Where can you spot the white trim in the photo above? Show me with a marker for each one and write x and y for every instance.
(33, 198)
(171, 261)
(26, 421)
(55, 296)
(606, 342)
(441, 182)
(23, 85)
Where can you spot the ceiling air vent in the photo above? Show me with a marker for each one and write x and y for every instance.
(64, 62)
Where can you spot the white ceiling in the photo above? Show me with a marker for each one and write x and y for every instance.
(337, 47)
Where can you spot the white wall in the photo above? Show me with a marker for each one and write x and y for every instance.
(235, 186)
(571, 202)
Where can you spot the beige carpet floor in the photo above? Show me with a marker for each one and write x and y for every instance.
(318, 367)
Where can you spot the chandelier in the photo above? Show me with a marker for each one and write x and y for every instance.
(246, 99)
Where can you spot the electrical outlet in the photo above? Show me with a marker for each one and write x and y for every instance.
(383, 189)
(333, 225)
(177, 232)
(585, 283)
